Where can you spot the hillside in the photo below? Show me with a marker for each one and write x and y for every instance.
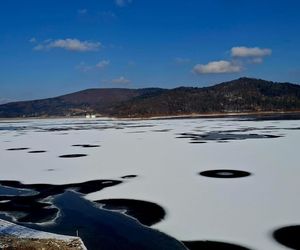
(241, 95)
(79, 103)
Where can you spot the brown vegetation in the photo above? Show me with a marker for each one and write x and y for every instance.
(15, 243)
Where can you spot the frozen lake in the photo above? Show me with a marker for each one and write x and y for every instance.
(253, 193)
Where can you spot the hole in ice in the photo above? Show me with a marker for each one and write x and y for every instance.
(225, 173)
(37, 151)
(72, 156)
(16, 149)
(212, 245)
(288, 236)
(86, 146)
(130, 176)
(147, 213)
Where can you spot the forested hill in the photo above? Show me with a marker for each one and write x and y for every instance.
(241, 95)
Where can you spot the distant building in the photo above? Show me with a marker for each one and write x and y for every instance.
(90, 116)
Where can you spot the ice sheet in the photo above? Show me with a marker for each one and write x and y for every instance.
(244, 211)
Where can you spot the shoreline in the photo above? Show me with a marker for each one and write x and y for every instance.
(160, 117)
(224, 115)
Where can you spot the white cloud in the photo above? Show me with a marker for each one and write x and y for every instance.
(240, 57)
(39, 47)
(122, 3)
(121, 80)
(83, 67)
(243, 51)
(69, 44)
(32, 40)
(102, 64)
(180, 60)
(217, 67)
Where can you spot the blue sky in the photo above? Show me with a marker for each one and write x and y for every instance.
(52, 47)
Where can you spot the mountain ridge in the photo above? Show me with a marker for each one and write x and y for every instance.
(239, 95)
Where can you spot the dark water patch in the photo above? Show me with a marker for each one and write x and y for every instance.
(39, 213)
(28, 208)
(270, 136)
(130, 176)
(225, 173)
(73, 156)
(222, 136)
(103, 229)
(12, 128)
(17, 149)
(50, 169)
(38, 206)
(288, 236)
(10, 191)
(162, 130)
(140, 126)
(212, 245)
(136, 132)
(198, 142)
(272, 117)
(75, 127)
(46, 190)
(59, 129)
(145, 212)
(295, 128)
(86, 145)
(37, 151)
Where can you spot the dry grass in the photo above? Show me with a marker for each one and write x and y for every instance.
(9, 243)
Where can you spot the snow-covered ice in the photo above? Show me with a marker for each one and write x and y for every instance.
(244, 211)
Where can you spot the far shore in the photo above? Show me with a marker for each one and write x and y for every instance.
(161, 117)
